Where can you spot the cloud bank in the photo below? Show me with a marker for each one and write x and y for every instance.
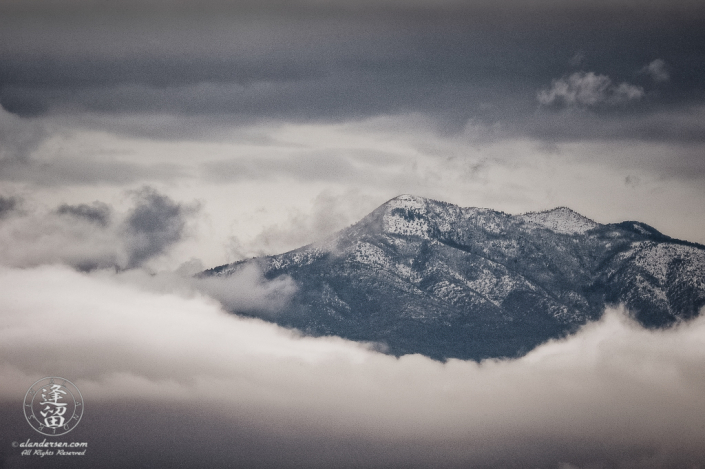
(86, 237)
(613, 395)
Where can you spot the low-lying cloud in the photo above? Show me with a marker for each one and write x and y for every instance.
(613, 395)
(244, 291)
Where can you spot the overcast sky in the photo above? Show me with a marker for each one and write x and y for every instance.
(285, 121)
(169, 136)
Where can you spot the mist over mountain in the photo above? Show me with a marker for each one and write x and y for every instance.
(422, 276)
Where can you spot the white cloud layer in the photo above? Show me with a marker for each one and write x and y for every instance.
(613, 395)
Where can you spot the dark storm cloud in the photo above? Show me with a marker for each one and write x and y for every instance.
(226, 6)
(338, 60)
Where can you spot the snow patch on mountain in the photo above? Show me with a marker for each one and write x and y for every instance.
(560, 220)
(406, 215)
(660, 259)
(371, 255)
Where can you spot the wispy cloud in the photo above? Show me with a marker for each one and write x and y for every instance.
(657, 70)
(330, 212)
(588, 89)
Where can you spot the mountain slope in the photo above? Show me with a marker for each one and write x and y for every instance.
(422, 276)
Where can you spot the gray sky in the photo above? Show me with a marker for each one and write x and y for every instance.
(168, 136)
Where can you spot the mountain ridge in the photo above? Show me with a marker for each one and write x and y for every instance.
(430, 277)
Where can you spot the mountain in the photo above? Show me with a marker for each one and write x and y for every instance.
(421, 276)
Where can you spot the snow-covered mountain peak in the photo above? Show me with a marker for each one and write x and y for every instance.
(406, 215)
(407, 201)
(425, 276)
(560, 220)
